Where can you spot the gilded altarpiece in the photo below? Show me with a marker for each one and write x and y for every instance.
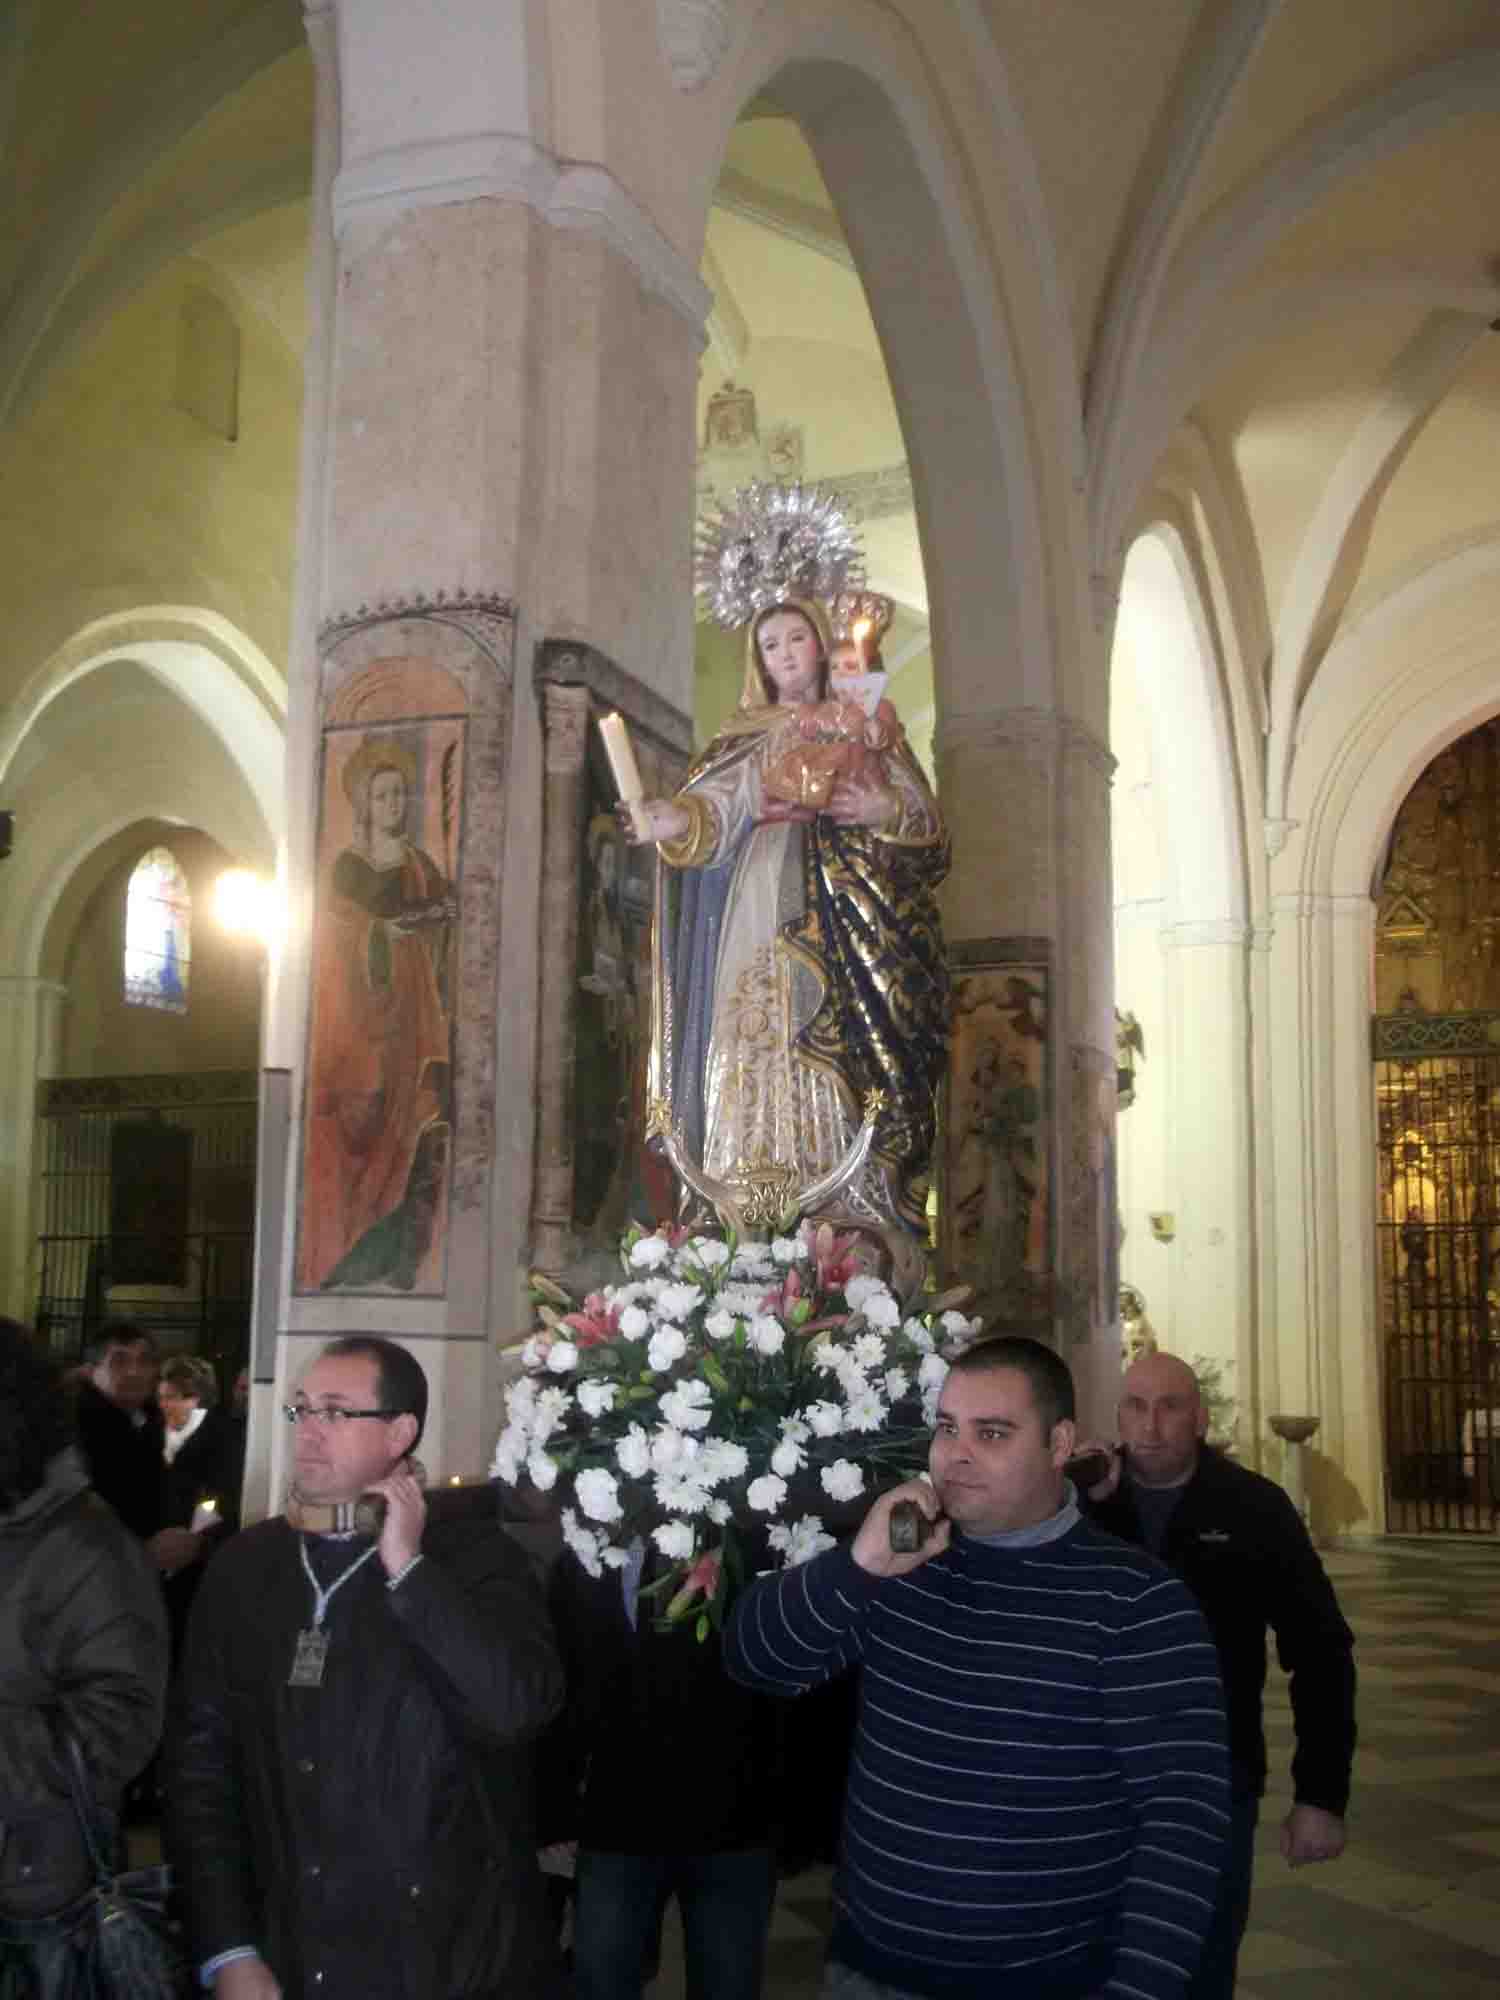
(593, 1174)
(995, 1208)
(1436, 1050)
(398, 1115)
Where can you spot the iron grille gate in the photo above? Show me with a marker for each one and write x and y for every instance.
(147, 1195)
(1437, 1104)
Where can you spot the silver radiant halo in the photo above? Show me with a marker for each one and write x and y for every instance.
(771, 542)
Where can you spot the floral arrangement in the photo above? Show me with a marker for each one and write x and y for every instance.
(723, 1387)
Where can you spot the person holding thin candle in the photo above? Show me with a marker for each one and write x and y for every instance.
(803, 945)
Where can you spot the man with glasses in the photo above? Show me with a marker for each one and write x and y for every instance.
(348, 1786)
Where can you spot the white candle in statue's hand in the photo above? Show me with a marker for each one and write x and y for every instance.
(627, 776)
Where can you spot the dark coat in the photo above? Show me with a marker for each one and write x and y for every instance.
(123, 1459)
(372, 1835)
(1241, 1547)
(82, 1636)
(659, 1752)
(211, 1462)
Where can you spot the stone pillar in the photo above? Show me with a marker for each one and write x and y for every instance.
(1027, 915)
(565, 720)
(1208, 1151)
(30, 1016)
(500, 439)
(1321, 1357)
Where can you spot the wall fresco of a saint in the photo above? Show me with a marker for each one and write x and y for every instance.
(378, 1110)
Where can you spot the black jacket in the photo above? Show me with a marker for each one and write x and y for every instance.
(1240, 1545)
(372, 1835)
(123, 1459)
(659, 1752)
(211, 1462)
(82, 1637)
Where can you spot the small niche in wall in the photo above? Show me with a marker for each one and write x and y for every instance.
(208, 364)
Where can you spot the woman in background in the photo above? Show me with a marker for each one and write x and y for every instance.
(83, 1640)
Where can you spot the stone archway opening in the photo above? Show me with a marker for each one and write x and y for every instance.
(1436, 1052)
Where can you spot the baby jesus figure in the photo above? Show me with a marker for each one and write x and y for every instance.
(838, 738)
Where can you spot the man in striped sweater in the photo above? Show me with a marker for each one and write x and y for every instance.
(1038, 1797)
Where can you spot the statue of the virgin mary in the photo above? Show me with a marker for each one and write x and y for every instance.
(803, 1009)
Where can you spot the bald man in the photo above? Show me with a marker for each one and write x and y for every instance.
(1240, 1546)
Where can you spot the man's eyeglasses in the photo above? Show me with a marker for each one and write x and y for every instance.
(333, 1418)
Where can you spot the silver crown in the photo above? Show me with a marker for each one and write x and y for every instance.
(770, 542)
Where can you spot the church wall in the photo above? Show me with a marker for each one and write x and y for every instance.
(102, 1035)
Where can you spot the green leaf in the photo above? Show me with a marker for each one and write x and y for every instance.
(714, 1375)
(702, 1627)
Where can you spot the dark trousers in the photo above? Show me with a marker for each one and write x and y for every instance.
(725, 1900)
(1214, 1979)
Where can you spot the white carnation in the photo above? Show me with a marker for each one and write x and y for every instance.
(721, 1459)
(719, 1512)
(542, 1471)
(510, 1455)
(859, 1288)
(650, 1253)
(633, 1453)
(674, 1539)
(864, 1412)
(634, 1323)
(767, 1335)
(687, 1406)
(787, 1458)
(598, 1495)
(677, 1301)
(594, 1398)
(800, 1542)
(843, 1480)
(918, 1335)
(669, 1447)
(897, 1382)
(719, 1325)
(957, 1327)
(583, 1542)
(681, 1492)
(785, 1249)
(552, 1405)
(766, 1494)
(667, 1344)
(869, 1350)
(933, 1372)
(562, 1357)
(826, 1419)
(520, 1399)
(709, 1252)
(882, 1310)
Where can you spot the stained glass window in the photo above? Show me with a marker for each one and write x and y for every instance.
(158, 933)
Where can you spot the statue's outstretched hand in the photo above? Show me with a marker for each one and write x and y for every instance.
(653, 819)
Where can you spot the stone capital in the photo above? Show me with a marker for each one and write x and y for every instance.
(505, 166)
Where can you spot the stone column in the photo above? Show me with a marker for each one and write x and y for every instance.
(1323, 1318)
(1208, 1151)
(565, 720)
(30, 1017)
(1026, 794)
(500, 438)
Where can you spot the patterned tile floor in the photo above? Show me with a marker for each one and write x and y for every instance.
(1412, 1910)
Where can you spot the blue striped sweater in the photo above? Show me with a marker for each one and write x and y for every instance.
(1039, 1784)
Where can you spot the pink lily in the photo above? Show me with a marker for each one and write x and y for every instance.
(596, 1322)
(702, 1580)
